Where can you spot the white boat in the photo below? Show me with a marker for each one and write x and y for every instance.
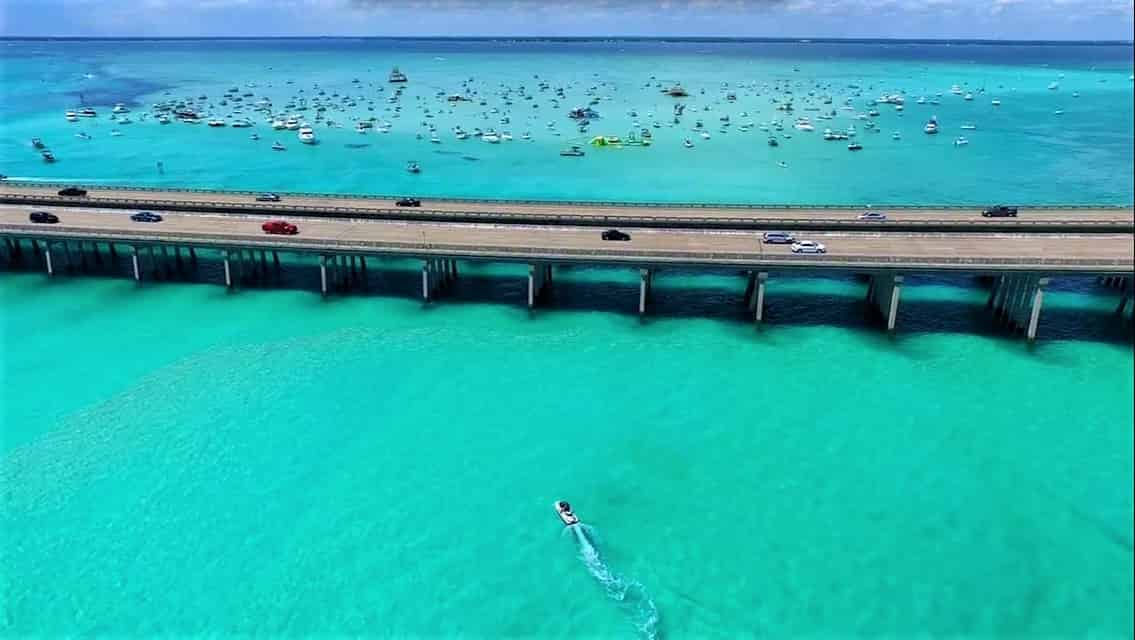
(434, 138)
(120, 108)
(87, 112)
(291, 124)
(687, 144)
(969, 127)
(1053, 86)
(563, 510)
(306, 134)
(360, 128)
(216, 122)
(960, 141)
(491, 138)
(704, 135)
(803, 124)
(71, 116)
(241, 123)
(163, 119)
(278, 146)
(278, 124)
(956, 90)
(115, 133)
(931, 126)
(995, 102)
(896, 136)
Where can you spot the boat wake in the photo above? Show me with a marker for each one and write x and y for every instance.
(630, 595)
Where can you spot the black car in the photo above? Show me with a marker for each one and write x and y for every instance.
(43, 217)
(1000, 211)
(146, 216)
(73, 191)
(267, 197)
(408, 202)
(615, 234)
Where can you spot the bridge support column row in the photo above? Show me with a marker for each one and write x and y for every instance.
(884, 291)
(539, 280)
(1016, 301)
(437, 275)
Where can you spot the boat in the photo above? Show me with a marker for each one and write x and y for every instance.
(960, 141)
(969, 127)
(995, 102)
(216, 122)
(254, 137)
(278, 146)
(687, 144)
(572, 152)
(115, 133)
(47, 156)
(1053, 86)
(434, 138)
(896, 136)
(278, 124)
(413, 167)
(38, 144)
(163, 119)
(120, 108)
(526, 136)
(676, 91)
(241, 123)
(291, 124)
(1058, 112)
(803, 124)
(71, 116)
(956, 90)
(491, 137)
(772, 142)
(87, 112)
(931, 126)
(397, 76)
(306, 134)
(563, 510)
(968, 96)
(854, 146)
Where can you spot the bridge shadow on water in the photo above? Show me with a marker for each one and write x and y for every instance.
(1076, 308)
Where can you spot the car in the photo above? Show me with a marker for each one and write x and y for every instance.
(1000, 211)
(280, 227)
(146, 216)
(268, 197)
(877, 216)
(777, 237)
(408, 202)
(43, 217)
(808, 246)
(73, 191)
(616, 235)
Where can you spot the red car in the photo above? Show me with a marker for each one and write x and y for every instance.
(280, 227)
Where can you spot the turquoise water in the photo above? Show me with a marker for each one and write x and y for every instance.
(180, 460)
(1021, 151)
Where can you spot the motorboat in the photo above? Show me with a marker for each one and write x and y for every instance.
(278, 124)
(47, 156)
(120, 108)
(967, 97)
(960, 141)
(995, 102)
(772, 142)
(567, 516)
(397, 76)
(163, 119)
(254, 137)
(71, 116)
(241, 123)
(1053, 86)
(38, 144)
(491, 137)
(115, 133)
(931, 126)
(676, 91)
(572, 151)
(87, 112)
(969, 127)
(306, 134)
(854, 146)
(278, 146)
(687, 144)
(413, 167)
(291, 124)
(896, 136)
(216, 122)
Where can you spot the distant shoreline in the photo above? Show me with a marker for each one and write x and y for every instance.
(584, 39)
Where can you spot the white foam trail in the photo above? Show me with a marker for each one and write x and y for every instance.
(631, 595)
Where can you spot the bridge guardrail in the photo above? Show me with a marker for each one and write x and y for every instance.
(588, 203)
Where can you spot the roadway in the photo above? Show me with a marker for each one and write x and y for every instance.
(977, 252)
(1071, 219)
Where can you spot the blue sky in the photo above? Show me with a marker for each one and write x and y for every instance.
(997, 19)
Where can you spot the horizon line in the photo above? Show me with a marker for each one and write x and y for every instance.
(588, 38)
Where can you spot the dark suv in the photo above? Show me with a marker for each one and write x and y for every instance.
(408, 202)
(43, 217)
(615, 234)
(73, 191)
(1000, 211)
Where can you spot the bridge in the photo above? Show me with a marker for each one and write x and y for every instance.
(1055, 219)
(1019, 264)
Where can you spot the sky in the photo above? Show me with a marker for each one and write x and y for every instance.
(986, 19)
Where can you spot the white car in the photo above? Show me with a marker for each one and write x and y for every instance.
(808, 246)
(877, 216)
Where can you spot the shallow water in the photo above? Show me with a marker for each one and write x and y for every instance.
(177, 459)
(1020, 152)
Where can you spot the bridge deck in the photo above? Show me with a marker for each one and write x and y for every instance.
(947, 251)
(1074, 218)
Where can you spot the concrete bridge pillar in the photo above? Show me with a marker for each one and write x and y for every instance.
(228, 269)
(426, 280)
(1038, 300)
(758, 298)
(645, 283)
(47, 259)
(537, 282)
(323, 275)
(885, 291)
(138, 267)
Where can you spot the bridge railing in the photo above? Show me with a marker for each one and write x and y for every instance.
(571, 202)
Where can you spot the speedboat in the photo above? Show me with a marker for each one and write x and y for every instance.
(573, 151)
(120, 108)
(163, 119)
(567, 516)
(241, 123)
(854, 146)
(87, 112)
(216, 122)
(306, 134)
(1053, 86)
(291, 124)
(47, 156)
(931, 126)
(278, 146)
(413, 167)
(969, 127)
(960, 141)
(71, 116)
